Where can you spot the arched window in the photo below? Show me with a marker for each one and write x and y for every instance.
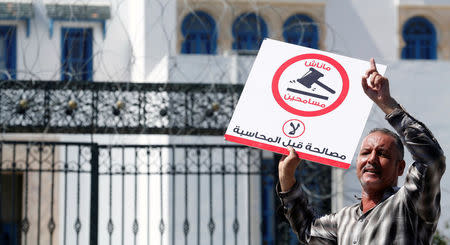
(420, 38)
(249, 30)
(301, 30)
(200, 35)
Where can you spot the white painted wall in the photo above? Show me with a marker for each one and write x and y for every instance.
(210, 69)
(160, 38)
(362, 29)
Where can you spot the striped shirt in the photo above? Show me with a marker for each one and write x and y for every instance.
(406, 215)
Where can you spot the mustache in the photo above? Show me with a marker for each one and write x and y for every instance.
(370, 166)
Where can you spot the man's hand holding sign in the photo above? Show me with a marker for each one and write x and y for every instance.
(386, 214)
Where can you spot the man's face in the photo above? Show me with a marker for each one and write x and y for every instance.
(379, 164)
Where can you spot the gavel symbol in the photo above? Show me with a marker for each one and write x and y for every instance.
(311, 77)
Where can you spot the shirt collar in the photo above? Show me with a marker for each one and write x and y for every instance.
(387, 193)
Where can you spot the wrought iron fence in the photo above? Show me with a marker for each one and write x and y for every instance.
(106, 108)
(82, 193)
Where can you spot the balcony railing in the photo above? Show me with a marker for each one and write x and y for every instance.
(112, 107)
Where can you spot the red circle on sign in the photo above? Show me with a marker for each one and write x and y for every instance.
(304, 128)
(284, 105)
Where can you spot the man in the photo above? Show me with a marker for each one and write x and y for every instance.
(386, 214)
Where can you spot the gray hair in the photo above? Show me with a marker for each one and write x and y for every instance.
(398, 141)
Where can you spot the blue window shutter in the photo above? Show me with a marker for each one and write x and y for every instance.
(8, 52)
(420, 39)
(249, 30)
(301, 30)
(76, 56)
(200, 34)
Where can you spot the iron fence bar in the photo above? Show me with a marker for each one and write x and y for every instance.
(110, 226)
(248, 199)
(123, 86)
(235, 222)
(161, 223)
(123, 196)
(39, 195)
(173, 194)
(77, 224)
(13, 198)
(24, 226)
(1, 119)
(148, 195)
(1, 168)
(186, 222)
(201, 146)
(141, 173)
(260, 153)
(198, 197)
(51, 224)
(211, 221)
(66, 166)
(56, 143)
(142, 146)
(223, 197)
(196, 173)
(93, 223)
(135, 223)
(50, 171)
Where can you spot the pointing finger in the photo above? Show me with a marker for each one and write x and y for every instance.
(372, 64)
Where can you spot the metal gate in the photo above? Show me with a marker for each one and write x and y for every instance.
(76, 193)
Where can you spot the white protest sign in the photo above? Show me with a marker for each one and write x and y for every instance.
(305, 98)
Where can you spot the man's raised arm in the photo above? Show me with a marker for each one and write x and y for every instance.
(423, 178)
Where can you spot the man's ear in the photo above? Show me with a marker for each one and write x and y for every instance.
(400, 167)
